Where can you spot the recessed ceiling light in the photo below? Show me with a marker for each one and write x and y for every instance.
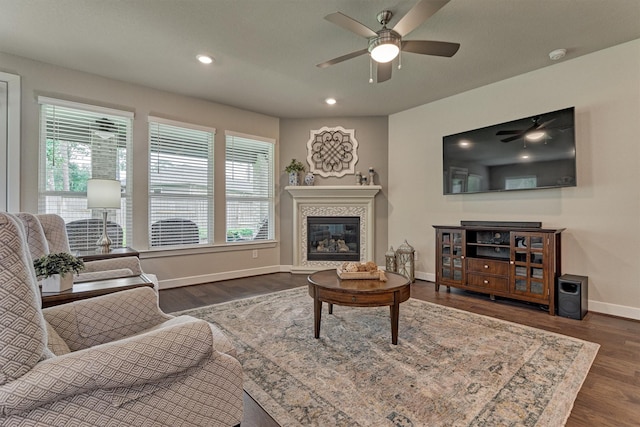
(330, 101)
(554, 55)
(205, 59)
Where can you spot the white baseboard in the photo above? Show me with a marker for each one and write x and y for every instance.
(216, 277)
(430, 277)
(614, 309)
(594, 306)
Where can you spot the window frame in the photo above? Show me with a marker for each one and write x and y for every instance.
(125, 136)
(270, 198)
(210, 196)
(10, 142)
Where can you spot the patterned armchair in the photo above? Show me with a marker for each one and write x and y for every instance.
(114, 360)
(47, 233)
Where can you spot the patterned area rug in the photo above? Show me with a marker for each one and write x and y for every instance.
(450, 367)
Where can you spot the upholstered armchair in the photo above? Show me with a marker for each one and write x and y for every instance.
(112, 360)
(46, 233)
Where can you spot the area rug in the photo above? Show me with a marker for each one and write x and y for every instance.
(450, 367)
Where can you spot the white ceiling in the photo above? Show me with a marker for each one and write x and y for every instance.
(266, 50)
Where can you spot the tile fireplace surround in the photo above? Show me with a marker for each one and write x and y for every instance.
(331, 200)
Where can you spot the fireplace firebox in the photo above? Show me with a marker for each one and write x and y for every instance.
(333, 238)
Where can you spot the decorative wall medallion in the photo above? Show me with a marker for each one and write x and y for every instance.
(332, 151)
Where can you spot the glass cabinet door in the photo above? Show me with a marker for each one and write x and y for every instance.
(451, 255)
(528, 257)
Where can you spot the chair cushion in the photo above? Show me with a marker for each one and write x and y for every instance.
(22, 329)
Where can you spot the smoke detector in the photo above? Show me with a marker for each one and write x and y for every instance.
(557, 54)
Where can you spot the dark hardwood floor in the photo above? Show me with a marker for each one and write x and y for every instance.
(610, 396)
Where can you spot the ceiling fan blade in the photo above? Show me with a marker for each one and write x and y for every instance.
(429, 47)
(419, 13)
(342, 58)
(542, 125)
(513, 138)
(508, 132)
(384, 71)
(350, 24)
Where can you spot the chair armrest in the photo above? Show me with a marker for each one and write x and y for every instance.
(86, 323)
(103, 275)
(130, 262)
(144, 359)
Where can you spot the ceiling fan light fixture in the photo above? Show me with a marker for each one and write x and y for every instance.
(535, 135)
(385, 47)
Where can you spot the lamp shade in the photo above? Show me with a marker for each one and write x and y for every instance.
(103, 194)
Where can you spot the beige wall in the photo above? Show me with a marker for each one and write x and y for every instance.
(371, 134)
(601, 214)
(175, 267)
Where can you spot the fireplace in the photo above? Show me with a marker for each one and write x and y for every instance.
(333, 238)
(332, 204)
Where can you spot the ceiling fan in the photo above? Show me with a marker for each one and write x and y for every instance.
(534, 132)
(385, 44)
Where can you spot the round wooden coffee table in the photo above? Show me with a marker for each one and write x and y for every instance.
(326, 286)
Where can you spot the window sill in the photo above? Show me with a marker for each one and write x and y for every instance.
(195, 250)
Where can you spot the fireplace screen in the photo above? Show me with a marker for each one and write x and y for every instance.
(333, 238)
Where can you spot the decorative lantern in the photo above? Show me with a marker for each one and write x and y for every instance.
(390, 258)
(405, 261)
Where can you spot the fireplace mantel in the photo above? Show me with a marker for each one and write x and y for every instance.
(331, 200)
(328, 191)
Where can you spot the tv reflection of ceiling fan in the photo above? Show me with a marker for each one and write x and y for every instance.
(533, 133)
(385, 44)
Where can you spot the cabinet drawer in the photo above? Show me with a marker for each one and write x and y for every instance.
(487, 266)
(488, 282)
(355, 299)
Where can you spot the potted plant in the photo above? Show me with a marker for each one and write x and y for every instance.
(56, 271)
(293, 169)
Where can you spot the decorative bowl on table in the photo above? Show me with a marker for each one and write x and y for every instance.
(362, 271)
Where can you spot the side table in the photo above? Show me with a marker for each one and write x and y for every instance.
(93, 289)
(96, 254)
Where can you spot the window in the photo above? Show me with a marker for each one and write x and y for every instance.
(9, 142)
(520, 182)
(78, 142)
(249, 188)
(180, 183)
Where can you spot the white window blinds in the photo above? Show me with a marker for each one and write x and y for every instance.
(79, 142)
(249, 188)
(180, 183)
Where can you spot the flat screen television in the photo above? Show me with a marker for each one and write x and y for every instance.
(530, 153)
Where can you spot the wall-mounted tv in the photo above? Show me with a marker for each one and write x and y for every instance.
(530, 153)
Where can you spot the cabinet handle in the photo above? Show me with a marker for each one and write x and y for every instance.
(486, 282)
(486, 266)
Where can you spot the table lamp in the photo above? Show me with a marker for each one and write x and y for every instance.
(103, 194)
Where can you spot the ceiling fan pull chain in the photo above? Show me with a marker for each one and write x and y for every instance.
(400, 59)
(370, 69)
